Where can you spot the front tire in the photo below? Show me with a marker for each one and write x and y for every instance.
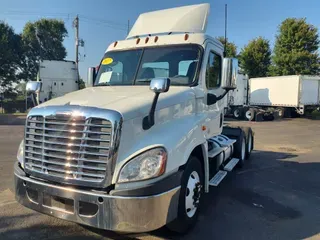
(250, 114)
(237, 113)
(281, 112)
(189, 198)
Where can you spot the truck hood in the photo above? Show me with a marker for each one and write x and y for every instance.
(130, 101)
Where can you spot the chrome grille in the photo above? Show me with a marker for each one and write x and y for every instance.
(67, 147)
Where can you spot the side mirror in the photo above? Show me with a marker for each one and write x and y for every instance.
(229, 73)
(157, 85)
(160, 85)
(32, 88)
(91, 76)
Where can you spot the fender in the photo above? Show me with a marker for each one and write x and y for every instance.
(204, 161)
(179, 136)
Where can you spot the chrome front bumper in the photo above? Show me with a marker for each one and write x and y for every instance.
(124, 214)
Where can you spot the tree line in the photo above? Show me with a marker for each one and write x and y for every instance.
(20, 53)
(295, 51)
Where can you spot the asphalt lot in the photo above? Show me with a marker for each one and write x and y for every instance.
(275, 196)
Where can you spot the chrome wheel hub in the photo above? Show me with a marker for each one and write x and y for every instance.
(193, 193)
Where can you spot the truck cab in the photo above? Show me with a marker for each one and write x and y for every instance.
(55, 78)
(138, 149)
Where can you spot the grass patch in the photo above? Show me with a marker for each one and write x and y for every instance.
(315, 113)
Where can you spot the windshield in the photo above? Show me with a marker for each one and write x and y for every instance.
(139, 66)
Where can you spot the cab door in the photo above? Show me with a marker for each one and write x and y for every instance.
(213, 77)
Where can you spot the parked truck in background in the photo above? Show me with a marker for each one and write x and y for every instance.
(118, 156)
(57, 78)
(237, 103)
(281, 96)
(287, 95)
(237, 99)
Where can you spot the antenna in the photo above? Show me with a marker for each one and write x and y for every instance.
(225, 30)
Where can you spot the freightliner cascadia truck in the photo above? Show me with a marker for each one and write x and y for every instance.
(139, 147)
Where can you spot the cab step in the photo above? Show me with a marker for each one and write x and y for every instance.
(231, 164)
(215, 181)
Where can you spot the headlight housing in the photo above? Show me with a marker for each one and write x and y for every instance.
(20, 153)
(149, 164)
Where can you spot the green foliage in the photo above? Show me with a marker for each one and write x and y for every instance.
(315, 113)
(42, 39)
(21, 89)
(10, 56)
(296, 48)
(255, 58)
(231, 49)
(82, 84)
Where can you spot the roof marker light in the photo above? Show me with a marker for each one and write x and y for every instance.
(138, 40)
(156, 39)
(115, 44)
(147, 40)
(186, 36)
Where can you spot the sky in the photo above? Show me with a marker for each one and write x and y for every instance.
(104, 21)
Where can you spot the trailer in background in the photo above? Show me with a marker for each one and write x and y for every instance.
(237, 103)
(57, 78)
(287, 96)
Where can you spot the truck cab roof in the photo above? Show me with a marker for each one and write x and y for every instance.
(161, 40)
(169, 27)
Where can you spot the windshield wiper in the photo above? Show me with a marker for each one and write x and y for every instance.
(102, 84)
(148, 80)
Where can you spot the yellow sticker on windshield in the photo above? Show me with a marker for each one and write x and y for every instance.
(107, 61)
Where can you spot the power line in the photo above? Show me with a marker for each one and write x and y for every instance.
(66, 16)
(102, 21)
(35, 13)
(106, 24)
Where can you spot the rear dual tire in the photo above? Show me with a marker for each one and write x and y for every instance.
(192, 182)
(244, 146)
(249, 143)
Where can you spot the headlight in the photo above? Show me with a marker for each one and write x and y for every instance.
(20, 153)
(149, 164)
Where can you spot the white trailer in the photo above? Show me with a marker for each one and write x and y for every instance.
(267, 97)
(57, 78)
(288, 95)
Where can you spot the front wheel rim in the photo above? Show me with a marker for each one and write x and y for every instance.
(192, 194)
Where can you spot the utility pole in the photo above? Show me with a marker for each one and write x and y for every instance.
(76, 26)
(128, 30)
(225, 30)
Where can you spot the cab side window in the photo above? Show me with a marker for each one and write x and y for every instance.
(213, 71)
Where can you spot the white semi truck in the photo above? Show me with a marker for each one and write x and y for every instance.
(284, 96)
(57, 78)
(237, 99)
(118, 156)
